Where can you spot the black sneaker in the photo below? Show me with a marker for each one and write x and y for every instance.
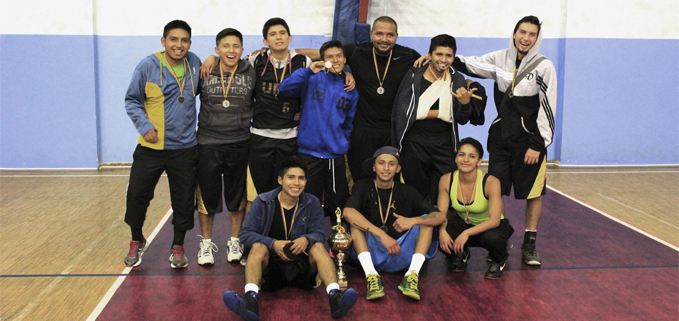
(246, 306)
(495, 270)
(460, 261)
(529, 255)
(341, 301)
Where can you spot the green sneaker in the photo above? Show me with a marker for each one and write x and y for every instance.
(375, 288)
(409, 286)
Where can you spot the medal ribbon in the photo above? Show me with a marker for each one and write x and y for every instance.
(379, 203)
(381, 81)
(285, 224)
(221, 76)
(181, 86)
(437, 78)
(464, 200)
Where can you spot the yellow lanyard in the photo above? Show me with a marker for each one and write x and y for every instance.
(221, 76)
(384, 217)
(381, 81)
(285, 224)
(437, 78)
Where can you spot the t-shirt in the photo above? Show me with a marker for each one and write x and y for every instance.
(405, 201)
(277, 230)
(429, 130)
(374, 110)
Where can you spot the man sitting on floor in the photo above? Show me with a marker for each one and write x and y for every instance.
(285, 233)
(383, 240)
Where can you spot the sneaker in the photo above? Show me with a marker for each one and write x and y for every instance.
(234, 250)
(177, 258)
(510, 245)
(375, 288)
(529, 255)
(341, 301)
(246, 306)
(205, 252)
(409, 286)
(460, 261)
(495, 270)
(133, 257)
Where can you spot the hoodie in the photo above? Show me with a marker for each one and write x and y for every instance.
(152, 102)
(527, 119)
(225, 125)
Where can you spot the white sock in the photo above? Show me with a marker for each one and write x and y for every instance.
(234, 239)
(332, 286)
(251, 287)
(416, 263)
(207, 241)
(367, 263)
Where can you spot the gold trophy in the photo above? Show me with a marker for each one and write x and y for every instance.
(339, 241)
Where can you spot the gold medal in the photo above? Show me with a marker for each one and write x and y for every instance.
(380, 89)
(225, 91)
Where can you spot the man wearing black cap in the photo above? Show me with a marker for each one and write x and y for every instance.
(390, 232)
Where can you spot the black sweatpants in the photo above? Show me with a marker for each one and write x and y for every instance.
(148, 165)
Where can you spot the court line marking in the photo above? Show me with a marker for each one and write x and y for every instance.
(615, 219)
(111, 291)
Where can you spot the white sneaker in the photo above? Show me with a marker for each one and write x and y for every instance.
(205, 252)
(235, 251)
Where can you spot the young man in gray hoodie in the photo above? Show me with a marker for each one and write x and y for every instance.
(223, 142)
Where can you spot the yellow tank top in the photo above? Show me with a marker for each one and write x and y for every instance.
(478, 209)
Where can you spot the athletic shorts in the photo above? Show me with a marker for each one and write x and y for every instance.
(423, 164)
(212, 164)
(279, 273)
(508, 166)
(266, 156)
(365, 141)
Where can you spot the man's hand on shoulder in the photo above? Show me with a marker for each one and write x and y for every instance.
(349, 83)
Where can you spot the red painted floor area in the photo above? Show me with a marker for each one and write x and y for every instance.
(593, 268)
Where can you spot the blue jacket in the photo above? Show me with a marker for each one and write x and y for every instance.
(327, 112)
(308, 220)
(152, 102)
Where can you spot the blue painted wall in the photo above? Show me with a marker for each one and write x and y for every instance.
(47, 102)
(621, 99)
(64, 107)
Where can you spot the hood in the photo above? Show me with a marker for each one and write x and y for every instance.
(532, 53)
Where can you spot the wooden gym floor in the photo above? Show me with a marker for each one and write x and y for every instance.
(608, 237)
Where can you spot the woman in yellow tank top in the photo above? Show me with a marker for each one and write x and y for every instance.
(474, 206)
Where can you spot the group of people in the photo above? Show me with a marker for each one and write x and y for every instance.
(275, 127)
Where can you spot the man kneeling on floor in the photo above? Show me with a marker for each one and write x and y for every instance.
(388, 232)
(285, 233)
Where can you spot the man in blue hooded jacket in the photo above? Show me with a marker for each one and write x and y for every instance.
(285, 233)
